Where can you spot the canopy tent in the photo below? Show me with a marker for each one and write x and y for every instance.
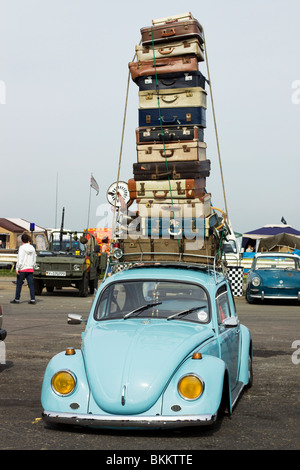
(282, 242)
(251, 238)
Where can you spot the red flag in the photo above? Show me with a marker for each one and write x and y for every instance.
(94, 184)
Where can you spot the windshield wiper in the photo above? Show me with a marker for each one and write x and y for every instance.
(185, 312)
(140, 309)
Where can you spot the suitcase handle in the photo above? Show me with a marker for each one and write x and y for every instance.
(166, 32)
(173, 119)
(164, 153)
(163, 196)
(166, 83)
(171, 100)
(165, 52)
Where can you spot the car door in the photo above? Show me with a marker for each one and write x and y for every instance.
(229, 336)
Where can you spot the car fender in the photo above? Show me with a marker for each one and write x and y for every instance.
(211, 371)
(78, 399)
(246, 349)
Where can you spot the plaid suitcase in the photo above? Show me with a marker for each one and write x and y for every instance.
(171, 80)
(160, 134)
(177, 170)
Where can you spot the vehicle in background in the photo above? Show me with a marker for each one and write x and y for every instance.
(274, 276)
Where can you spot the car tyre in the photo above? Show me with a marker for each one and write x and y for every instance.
(83, 286)
(248, 297)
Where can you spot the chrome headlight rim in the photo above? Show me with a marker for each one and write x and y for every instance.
(193, 375)
(76, 267)
(66, 371)
(256, 281)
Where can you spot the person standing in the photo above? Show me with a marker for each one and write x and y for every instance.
(24, 268)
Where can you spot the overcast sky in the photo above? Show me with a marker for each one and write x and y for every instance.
(63, 79)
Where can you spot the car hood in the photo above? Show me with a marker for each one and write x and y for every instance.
(280, 278)
(136, 358)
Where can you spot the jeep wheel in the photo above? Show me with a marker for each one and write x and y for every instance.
(38, 286)
(83, 286)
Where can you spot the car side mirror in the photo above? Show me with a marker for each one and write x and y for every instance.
(75, 319)
(230, 322)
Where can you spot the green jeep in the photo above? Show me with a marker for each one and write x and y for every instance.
(72, 260)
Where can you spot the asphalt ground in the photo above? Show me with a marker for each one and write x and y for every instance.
(266, 417)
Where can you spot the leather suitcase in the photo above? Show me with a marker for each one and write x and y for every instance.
(176, 48)
(175, 97)
(173, 227)
(171, 80)
(173, 152)
(174, 30)
(187, 63)
(146, 135)
(169, 19)
(159, 190)
(189, 208)
(192, 115)
(142, 249)
(200, 250)
(174, 171)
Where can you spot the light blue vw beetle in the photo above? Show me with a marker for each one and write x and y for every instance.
(162, 348)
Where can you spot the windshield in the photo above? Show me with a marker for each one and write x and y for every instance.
(66, 242)
(153, 299)
(275, 262)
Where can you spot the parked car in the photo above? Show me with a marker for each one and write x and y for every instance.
(162, 348)
(3, 332)
(273, 276)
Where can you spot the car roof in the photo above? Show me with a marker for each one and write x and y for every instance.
(275, 253)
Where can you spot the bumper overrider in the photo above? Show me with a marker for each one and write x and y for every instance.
(133, 421)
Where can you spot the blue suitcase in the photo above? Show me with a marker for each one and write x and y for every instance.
(171, 80)
(172, 116)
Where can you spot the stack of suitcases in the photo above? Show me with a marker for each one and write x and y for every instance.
(169, 181)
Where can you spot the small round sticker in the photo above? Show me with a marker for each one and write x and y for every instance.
(202, 315)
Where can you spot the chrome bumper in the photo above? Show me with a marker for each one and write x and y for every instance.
(120, 421)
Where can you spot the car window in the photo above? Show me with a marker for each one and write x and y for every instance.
(275, 262)
(222, 304)
(156, 299)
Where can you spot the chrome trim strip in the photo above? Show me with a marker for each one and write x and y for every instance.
(283, 297)
(112, 421)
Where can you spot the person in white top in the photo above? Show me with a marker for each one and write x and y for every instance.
(24, 268)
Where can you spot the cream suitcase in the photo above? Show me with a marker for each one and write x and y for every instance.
(189, 151)
(170, 98)
(176, 48)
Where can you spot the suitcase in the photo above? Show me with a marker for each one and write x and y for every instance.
(191, 115)
(159, 190)
(174, 30)
(200, 250)
(160, 134)
(134, 249)
(171, 80)
(169, 19)
(174, 171)
(187, 63)
(176, 48)
(189, 208)
(173, 227)
(178, 97)
(173, 152)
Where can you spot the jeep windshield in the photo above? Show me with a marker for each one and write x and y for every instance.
(153, 299)
(67, 242)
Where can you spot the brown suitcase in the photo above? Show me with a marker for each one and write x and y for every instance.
(136, 249)
(200, 250)
(187, 63)
(189, 208)
(174, 30)
(165, 189)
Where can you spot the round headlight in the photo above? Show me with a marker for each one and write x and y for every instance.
(190, 387)
(76, 267)
(63, 382)
(36, 266)
(117, 253)
(255, 281)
